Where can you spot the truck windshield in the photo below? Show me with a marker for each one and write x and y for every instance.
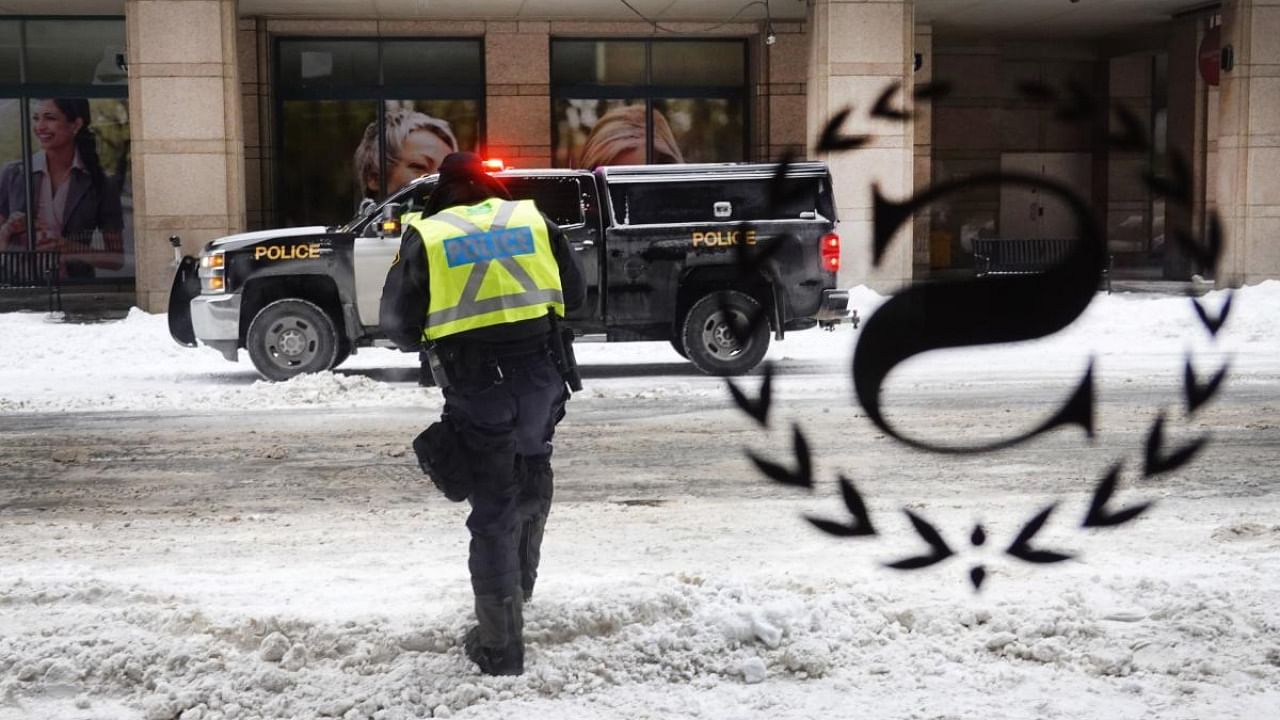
(411, 198)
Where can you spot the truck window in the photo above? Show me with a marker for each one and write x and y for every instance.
(559, 198)
(737, 200)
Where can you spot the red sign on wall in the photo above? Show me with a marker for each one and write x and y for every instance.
(1210, 55)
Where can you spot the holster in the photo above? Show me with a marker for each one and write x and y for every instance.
(443, 458)
(438, 363)
(561, 343)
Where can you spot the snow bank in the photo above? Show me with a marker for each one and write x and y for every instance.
(133, 364)
(737, 649)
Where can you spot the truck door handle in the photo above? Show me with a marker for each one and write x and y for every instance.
(584, 244)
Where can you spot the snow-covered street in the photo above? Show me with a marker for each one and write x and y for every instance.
(180, 540)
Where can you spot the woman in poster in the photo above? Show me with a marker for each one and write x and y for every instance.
(618, 139)
(416, 143)
(77, 208)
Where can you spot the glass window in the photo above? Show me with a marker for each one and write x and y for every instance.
(364, 118)
(72, 190)
(86, 143)
(597, 62)
(10, 48)
(328, 64)
(12, 176)
(432, 62)
(558, 198)
(692, 108)
(79, 52)
(704, 129)
(642, 203)
(322, 139)
(590, 133)
(698, 63)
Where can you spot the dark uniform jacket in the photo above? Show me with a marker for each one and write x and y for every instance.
(406, 296)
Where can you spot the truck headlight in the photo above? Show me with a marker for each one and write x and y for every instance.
(213, 268)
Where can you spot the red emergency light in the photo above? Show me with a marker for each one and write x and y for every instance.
(831, 252)
(493, 166)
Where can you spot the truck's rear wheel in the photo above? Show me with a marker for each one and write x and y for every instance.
(291, 337)
(714, 330)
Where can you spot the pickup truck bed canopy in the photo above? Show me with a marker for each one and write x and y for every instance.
(703, 172)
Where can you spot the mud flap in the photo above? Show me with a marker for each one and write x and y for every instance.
(186, 285)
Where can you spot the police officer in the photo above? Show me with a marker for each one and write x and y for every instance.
(475, 279)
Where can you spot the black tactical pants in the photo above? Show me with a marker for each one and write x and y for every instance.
(505, 425)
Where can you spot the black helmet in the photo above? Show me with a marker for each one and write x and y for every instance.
(463, 181)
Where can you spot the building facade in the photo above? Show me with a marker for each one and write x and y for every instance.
(209, 117)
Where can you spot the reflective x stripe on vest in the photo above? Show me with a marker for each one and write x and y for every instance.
(488, 264)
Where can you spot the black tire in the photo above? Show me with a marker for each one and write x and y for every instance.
(709, 336)
(677, 344)
(344, 352)
(291, 337)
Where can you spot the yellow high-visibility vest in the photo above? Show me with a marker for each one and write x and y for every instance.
(487, 264)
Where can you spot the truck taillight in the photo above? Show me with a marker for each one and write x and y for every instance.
(831, 252)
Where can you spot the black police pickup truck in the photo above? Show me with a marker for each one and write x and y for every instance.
(659, 246)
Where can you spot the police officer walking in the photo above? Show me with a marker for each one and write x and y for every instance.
(479, 285)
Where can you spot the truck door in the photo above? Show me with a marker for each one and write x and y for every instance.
(373, 254)
(570, 203)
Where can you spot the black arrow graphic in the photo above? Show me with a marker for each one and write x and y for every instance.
(1078, 106)
(1132, 136)
(783, 191)
(1178, 186)
(1037, 91)
(1021, 547)
(1208, 254)
(1156, 462)
(883, 110)
(803, 474)
(758, 409)
(1098, 515)
(938, 550)
(832, 140)
(861, 524)
(1198, 394)
(1214, 324)
(935, 90)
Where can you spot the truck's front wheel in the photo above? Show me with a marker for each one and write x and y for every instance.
(717, 334)
(291, 337)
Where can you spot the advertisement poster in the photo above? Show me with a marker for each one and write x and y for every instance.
(73, 195)
(590, 133)
(339, 152)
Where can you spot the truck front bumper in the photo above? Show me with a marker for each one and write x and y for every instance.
(834, 310)
(216, 321)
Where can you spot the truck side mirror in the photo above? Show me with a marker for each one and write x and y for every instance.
(366, 205)
(389, 223)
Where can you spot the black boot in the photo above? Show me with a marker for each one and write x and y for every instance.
(496, 645)
(531, 553)
(535, 505)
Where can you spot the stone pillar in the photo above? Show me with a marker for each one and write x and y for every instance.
(186, 135)
(517, 61)
(922, 141)
(857, 49)
(783, 113)
(1249, 143)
